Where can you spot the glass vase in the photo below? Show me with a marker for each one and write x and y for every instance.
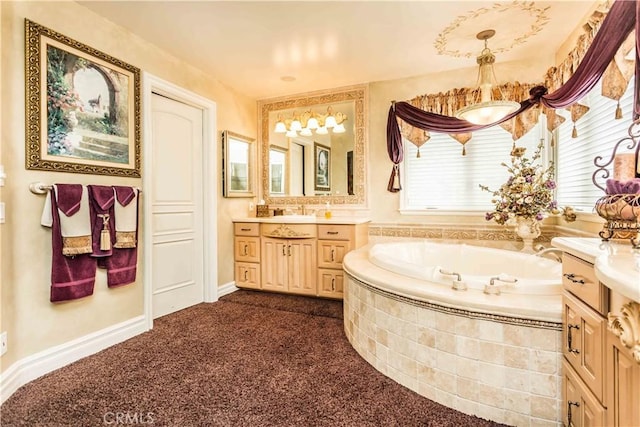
(527, 229)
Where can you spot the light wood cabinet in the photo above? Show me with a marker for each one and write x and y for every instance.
(295, 258)
(246, 249)
(601, 378)
(334, 242)
(289, 265)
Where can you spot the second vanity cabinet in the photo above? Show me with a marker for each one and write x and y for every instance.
(601, 346)
(297, 258)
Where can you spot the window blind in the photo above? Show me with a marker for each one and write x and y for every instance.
(598, 132)
(441, 178)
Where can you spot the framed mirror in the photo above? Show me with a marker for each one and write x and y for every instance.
(318, 165)
(238, 165)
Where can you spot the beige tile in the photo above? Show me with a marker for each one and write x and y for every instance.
(492, 396)
(544, 361)
(402, 378)
(467, 347)
(491, 352)
(407, 312)
(371, 346)
(490, 331)
(544, 407)
(381, 336)
(426, 355)
(543, 339)
(489, 412)
(516, 379)
(517, 335)
(465, 406)
(446, 342)
(544, 384)
(382, 353)
(426, 336)
(426, 317)
(445, 398)
(427, 390)
(537, 422)
(518, 401)
(466, 388)
(402, 345)
(445, 322)
(426, 374)
(467, 327)
(403, 364)
(516, 419)
(446, 362)
(516, 357)
(491, 374)
(467, 368)
(445, 381)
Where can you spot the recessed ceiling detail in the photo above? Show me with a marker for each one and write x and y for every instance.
(514, 23)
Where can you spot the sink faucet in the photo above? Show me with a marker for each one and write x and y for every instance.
(557, 253)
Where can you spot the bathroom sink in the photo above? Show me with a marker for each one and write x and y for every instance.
(301, 219)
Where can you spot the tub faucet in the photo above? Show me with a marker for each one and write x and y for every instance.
(557, 253)
(457, 284)
(493, 289)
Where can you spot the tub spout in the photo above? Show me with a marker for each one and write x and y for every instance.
(557, 253)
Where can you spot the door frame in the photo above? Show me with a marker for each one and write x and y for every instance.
(152, 84)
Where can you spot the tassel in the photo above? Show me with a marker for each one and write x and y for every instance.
(418, 155)
(574, 133)
(618, 112)
(553, 141)
(105, 236)
(464, 150)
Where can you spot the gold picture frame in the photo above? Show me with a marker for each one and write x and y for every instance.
(82, 107)
(238, 164)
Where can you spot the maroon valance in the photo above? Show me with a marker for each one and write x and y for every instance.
(619, 22)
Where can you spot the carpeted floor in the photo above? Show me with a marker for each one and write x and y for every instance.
(251, 359)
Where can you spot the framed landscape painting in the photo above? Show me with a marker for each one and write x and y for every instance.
(322, 160)
(83, 107)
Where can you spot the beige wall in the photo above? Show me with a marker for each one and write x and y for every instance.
(32, 322)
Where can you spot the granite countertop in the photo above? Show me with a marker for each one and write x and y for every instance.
(304, 219)
(616, 265)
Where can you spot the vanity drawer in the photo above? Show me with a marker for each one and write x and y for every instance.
(579, 278)
(246, 228)
(334, 232)
(583, 343)
(289, 231)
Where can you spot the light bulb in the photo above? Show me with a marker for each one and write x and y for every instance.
(339, 128)
(322, 130)
(280, 127)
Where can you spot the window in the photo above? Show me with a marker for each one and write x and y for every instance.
(441, 178)
(598, 132)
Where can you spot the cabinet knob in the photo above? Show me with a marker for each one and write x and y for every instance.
(572, 277)
(569, 415)
(570, 338)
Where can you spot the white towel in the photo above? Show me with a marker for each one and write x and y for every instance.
(126, 222)
(75, 229)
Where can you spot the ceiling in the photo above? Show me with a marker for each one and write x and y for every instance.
(255, 46)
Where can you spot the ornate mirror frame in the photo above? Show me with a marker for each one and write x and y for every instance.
(356, 93)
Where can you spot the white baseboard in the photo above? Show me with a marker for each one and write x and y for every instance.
(36, 365)
(227, 288)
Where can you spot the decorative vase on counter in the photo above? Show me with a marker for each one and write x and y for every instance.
(527, 229)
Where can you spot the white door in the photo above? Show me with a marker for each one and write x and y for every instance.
(296, 154)
(176, 206)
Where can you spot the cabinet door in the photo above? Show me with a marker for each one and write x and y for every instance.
(302, 266)
(623, 385)
(584, 343)
(330, 283)
(331, 253)
(580, 407)
(274, 264)
(248, 275)
(247, 249)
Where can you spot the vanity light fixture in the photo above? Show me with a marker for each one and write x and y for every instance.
(487, 110)
(310, 121)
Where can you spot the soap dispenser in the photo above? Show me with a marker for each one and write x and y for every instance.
(327, 211)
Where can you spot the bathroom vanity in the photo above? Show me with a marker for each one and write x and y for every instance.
(601, 332)
(295, 254)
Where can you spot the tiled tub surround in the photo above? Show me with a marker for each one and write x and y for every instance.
(494, 356)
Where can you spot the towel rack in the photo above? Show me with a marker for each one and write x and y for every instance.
(41, 188)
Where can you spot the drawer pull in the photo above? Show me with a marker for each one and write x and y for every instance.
(289, 250)
(333, 284)
(333, 255)
(245, 229)
(569, 405)
(245, 249)
(570, 338)
(284, 249)
(333, 232)
(245, 275)
(572, 277)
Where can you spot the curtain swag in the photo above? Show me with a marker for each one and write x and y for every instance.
(569, 83)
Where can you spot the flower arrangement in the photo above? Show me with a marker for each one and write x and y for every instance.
(528, 193)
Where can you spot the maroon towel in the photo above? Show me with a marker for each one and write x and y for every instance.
(122, 264)
(70, 196)
(124, 194)
(101, 200)
(71, 277)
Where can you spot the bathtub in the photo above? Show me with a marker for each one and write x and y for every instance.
(494, 356)
(515, 272)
